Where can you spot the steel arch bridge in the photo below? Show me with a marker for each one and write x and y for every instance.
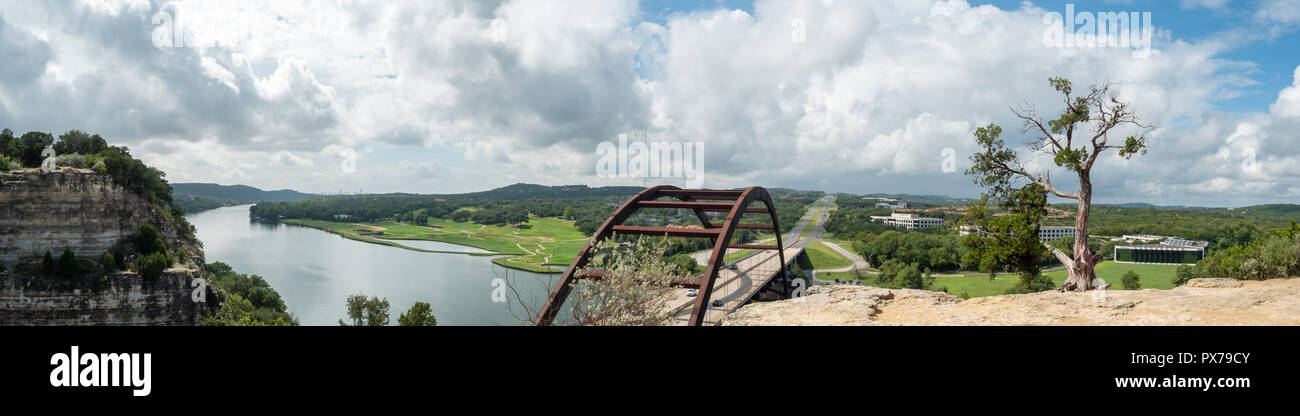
(735, 203)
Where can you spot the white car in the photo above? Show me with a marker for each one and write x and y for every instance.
(692, 292)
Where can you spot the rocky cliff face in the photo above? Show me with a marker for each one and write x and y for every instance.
(80, 209)
(117, 299)
(1200, 302)
(89, 214)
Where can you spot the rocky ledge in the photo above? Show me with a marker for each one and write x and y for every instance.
(1200, 302)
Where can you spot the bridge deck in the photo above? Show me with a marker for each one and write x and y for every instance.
(735, 287)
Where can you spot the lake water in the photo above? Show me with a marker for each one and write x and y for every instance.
(315, 271)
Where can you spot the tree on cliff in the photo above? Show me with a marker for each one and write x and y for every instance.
(68, 263)
(30, 147)
(47, 263)
(1094, 116)
(1010, 241)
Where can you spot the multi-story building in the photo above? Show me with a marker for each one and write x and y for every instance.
(909, 221)
(1053, 232)
(1046, 233)
(1143, 238)
(1170, 251)
(888, 203)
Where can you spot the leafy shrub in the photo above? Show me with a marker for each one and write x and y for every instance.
(7, 163)
(264, 304)
(685, 263)
(1185, 273)
(68, 264)
(110, 263)
(71, 160)
(151, 266)
(148, 240)
(47, 263)
(1131, 281)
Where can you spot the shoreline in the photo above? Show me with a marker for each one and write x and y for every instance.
(499, 258)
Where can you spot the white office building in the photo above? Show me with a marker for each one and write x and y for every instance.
(1046, 233)
(909, 221)
(1143, 238)
(1052, 233)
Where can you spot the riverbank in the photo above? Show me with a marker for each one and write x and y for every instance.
(541, 244)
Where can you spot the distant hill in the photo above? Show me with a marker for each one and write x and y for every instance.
(1270, 212)
(1146, 205)
(924, 200)
(531, 191)
(198, 197)
(242, 193)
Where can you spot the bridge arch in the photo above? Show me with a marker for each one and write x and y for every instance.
(735, 203)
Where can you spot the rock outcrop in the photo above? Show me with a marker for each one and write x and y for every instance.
(75, 208)
(1200, 302)
(89, 214)
(117, 299)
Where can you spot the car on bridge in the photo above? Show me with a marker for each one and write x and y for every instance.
(690, 293)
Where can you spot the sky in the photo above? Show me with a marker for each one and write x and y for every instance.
(835, 95)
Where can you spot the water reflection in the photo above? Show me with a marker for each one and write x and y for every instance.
(316, 271)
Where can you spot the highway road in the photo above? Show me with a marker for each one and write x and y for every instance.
(735, 286)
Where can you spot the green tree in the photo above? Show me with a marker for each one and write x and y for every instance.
(1289, 232)
(237, 311)
(265, 304)
(148, 240)
(78, 142)
(420, 314)
(1131, 281)
(151, 266)
(8, 144)
(366, 311)
(1185, 273)
(910, 277)
(30, 147)
(47, 263)
(8, 163)
(1093, 116)
(685, 263)
(1010, 241)
(110, 263)
(68, 264)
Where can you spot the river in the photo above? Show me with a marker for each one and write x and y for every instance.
(315, 271)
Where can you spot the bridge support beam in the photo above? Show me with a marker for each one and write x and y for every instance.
(737, 204)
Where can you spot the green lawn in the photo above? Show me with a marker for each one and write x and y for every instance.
(1153, 276)
(812, 222)
(739, 254)
(823, 257)
(546, 241)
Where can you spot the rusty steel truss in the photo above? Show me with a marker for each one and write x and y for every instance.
(734, 202)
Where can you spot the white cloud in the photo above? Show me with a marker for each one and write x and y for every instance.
(1288, 101)
(798, 92)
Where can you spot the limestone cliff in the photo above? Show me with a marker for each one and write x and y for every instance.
(80, 209)
(88, 213)
(116, 299)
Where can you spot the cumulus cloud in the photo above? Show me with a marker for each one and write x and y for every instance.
(845, 95)
(1288, 101)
